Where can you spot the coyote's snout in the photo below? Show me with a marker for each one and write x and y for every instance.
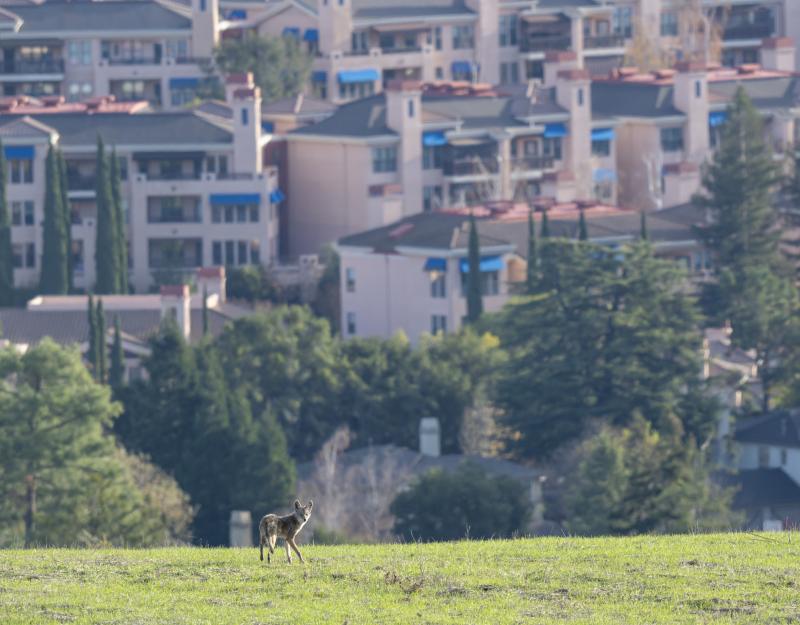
(287, 527)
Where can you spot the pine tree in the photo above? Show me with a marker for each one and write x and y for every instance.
(6, 257)
(91, 354)
(116, 372)
(119, 222)
(102, 348)
(106, 254)
(205, 311)
(532, 277)
(474, 294)
(54, 279)
(62, 171)
(545, 231)
(583, 231)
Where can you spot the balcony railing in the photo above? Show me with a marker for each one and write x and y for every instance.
(532, 163)
(141, 61)
(39, 66)
(405, 50)
(604, 41)
(534, 43)
(172, 175)
(471, 167)
(748, 31)
(77, 182)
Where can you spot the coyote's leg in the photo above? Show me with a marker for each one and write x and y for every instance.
(288, 553)
(293, 545)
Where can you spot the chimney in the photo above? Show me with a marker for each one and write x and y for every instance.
(555, 61)
(778, 54)
(205, 28)
(176, 305)
(430, 437)
(690, 96)
(245, 103)
(335, 26)
(487, 45)
(212, 282)
(573, 92)
(404, 116)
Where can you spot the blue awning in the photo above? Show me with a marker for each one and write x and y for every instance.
(235, 198)
(347, 77)
(554, 131)
(603, 134)
(235, 14)
(319, 76)
(183, 83)
(277, 196)
(436, 264)
(461, 67)
(717, 118)
(311, 34)
(604, 175)
(291, 31)
(433, 139)
(18, 151)
(488, 263)
(268, 127)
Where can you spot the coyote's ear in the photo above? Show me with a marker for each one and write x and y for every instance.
(296, 504)
(310, 504)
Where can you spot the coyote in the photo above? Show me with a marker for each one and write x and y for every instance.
(287, 527)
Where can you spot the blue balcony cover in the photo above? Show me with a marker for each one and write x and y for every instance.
(433, 139)
(555, 131)
(277, 196)
(18, 151)
(604, 175)
(291, 31)
(183, 83)
(347, 77)
(311, 34)
(268, 127)
(235, 14)
(603, 134)
(319, 76)
(436, 264)
(235, 198)
(717, 118)
(461, 67)
(488, 263)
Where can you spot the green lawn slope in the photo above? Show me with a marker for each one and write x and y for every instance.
(734, 578)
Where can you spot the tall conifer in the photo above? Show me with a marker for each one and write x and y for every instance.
(6, 256)
(119, 222)
(106, 254)
(54, 279)
(474, 294)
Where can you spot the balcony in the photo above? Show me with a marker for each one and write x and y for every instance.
(172, 175)
(139, 61)
(486, 166)
(594, 42)
(543, 43)
(404, 50)
(758, 30)
(38, 66)
(79, 182)
(526, 164)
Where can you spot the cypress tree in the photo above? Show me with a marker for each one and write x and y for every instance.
(205, 311)
(545, 232)
(643, 235)
(101, 341)
(583, 231)
(91, 354)
(54, 279)
(6, 257)
(533, 256)
(119, 222)
(116, 372)
(106, 255)
(474, 295)
(62, 171)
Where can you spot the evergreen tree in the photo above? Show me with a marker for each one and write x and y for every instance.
(54, 279)
(92, 353)
(545, 232)
(102, 348)
(532, 276)
(119, 222)
(583, 231)
(205, 311)
(474, 290)
(106, 253)
(643, 235)
(6, 256)
(62, 174)
(116, 372)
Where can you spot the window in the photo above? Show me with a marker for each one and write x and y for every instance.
(672, 139)
(508, 31)
(669, 24)
(350, 279)
(438, 324)
(763, 456)
(255, 252)
(463, 37)
(490, 283)
(350, 91)
(604, 191)
(234, 213)
(173, 209)
(439, 73)
(22, 213)
(359, 41)
(437, 37)
(216, 253)
(23, 255)
(438, 285)
(229, 253)
(509, 73)
(432, 157)
(580, 97)
(20, 170)
(534, 70)
(244, 117)
(79, 52)
(698, 89)
(30, 254)
(552, 147)
(351, 323)
(622, 20)
(384, 159)
(243, 255)
(432, 198)
(601, 148)
(411, 108)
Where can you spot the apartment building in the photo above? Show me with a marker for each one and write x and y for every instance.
(132, 49)
(668, 122)
(410, 276)
(194, 189)
(420, 147)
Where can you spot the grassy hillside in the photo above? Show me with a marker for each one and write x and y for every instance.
(702, 579)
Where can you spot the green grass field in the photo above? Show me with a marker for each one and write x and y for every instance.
(735, 578)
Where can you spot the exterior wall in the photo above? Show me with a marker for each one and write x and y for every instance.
(749, 459)
(292, 17)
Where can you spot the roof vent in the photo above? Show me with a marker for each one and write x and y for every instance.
(749, 68)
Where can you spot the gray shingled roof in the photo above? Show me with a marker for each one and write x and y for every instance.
(780, 427)
(132, 129)
(630, 99)
(782, 92)
(412, 9)
(121, 15)
(757, 488)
